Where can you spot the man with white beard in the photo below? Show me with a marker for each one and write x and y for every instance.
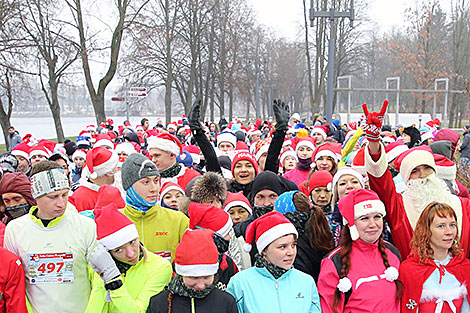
(418, 170)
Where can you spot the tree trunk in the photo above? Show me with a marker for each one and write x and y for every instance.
(309, 64)
(5, 116)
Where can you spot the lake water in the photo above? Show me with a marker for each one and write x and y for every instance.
(43, 127)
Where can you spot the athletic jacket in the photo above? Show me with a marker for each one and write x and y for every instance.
(160, 229)
(12, 288)
(256, 291)
(141, 281)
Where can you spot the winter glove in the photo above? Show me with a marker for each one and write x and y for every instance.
(194, 116)
(102, 263)
(282, 114)
(373, 122)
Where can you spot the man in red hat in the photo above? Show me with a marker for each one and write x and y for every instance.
(99, 170)
(418, 170)
(164, 149)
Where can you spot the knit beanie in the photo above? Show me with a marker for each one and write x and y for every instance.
(245, 156)
(196, 255)
(442, 147)
(269, 180)
(320, 179)
(448, 134)
(136, 167)
(359, 203)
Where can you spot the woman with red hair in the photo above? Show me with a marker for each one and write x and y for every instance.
(437, 273)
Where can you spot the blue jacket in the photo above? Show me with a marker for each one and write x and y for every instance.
(256, 291)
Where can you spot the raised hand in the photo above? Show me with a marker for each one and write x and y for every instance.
(194, 116)
(282, 114)
(373, 122)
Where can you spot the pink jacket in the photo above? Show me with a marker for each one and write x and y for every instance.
(297, 176)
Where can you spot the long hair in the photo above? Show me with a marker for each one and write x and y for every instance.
(345, 252)
(170, 296)
(421, 242)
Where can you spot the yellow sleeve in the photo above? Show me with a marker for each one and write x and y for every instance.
(348, 148)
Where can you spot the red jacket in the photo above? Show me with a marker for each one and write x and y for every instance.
(85, 197)
(414, 274)
(12, 286)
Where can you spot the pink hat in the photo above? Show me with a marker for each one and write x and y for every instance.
(305, 142)
(266, 229)
(113, 228)
(330, 149)
(320, 179)
(168, 186)
(104, 140)
(359, 203)
(321, 130)
(445, 168)
(412, 158)
(101, 161)
(394, 149)
(237, 199)
(21, 149)
(39, 150)
(196, 255)
(209, 217)
(108, 194)
(165, 142)
(245, 156)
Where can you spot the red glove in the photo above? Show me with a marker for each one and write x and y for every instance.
(373, 124)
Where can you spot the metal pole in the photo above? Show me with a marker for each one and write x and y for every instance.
(446, 96)
(257, 90)
(331, 68)
(435, 100)
(397, 113)
(349, 99)
(127, 98)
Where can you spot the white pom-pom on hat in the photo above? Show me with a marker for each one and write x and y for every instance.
(391, 273)
(344, 285)
(246, 247)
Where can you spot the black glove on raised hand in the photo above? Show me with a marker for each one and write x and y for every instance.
(282, 114)
(194, 116)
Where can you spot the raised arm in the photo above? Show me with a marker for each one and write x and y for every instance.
(282, 113)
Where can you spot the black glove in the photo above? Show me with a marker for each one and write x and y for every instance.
(194, 116)
(282, 114)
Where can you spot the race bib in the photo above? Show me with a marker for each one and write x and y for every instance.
(50, 267)
(164, 254)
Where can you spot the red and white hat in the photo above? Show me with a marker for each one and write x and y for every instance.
(329, 149)
(194, 152)
(165, 142)
(389, 138)
(305, 142)
(125, 147)
(100, 161)
(108, 194)
(196, 255)
(168, 186)
(79, 153)
(21, 149)
(39, 150)
(209, 217)
(139, 127)
(285, 154)
(320, 130)
(345, 170)
(84, 133)
(359, 203)
(413, 158)
(359, 161)
(445, 168)
(227, 136)
(104, 140)
(173, 126)
(266, 229)
(113, 228)
(320, 179)
(394, 149)
(235, 199)
(90, 127)
(29, 140)
(245, 156)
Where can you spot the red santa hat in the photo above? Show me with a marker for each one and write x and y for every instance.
(85, 133)
(29, 140)
(287, 142)
(445, 168)
(104, 140)
(320, 179)
(425, 135)
(359, 203)
(261, 146)
(241, 146)
(237, 199)
(394, 150)
(320, 130)
(39, 150)
(90, 127)
(173, 126)
(165, 142)
(194, 152)
(389, 139)
(285, 154)
(100, 161)
(305, 142)
(196, 255)
(266, 229)
(21, 149)
(359, 161)
(113, 228)
(168, 186)
(245, 156)
(209, 217)
(352, 126)
(79, 153)
(227, 136)
(413, 158)
(430, 125)
(125, 147)
(107, 195)
(329, 149)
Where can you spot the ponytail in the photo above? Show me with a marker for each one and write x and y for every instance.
(170, 296)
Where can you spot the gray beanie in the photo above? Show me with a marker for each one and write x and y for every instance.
(136, 167)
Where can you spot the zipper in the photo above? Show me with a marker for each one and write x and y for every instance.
(193, 310)
(142, 227)
(278, 299)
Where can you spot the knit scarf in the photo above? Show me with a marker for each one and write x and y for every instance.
(304, 164)
(275, 270)
(221, 243)
(298, 219)
(172, 171)
(137, 202)
(259, 211)
(177, 286)
(124, 267)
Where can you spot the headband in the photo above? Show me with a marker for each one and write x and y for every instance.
(46, 182)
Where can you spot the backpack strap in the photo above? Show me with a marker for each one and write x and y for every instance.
(338, 262)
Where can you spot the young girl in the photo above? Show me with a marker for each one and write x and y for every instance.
(79, 158)
(170, 195)
(238, 206)
(304, 150)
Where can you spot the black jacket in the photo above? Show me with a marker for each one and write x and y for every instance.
(216, 302)
(307, 260)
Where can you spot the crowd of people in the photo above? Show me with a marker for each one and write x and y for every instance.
(269, 216)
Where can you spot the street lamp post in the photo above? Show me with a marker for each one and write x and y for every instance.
(332, 14)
